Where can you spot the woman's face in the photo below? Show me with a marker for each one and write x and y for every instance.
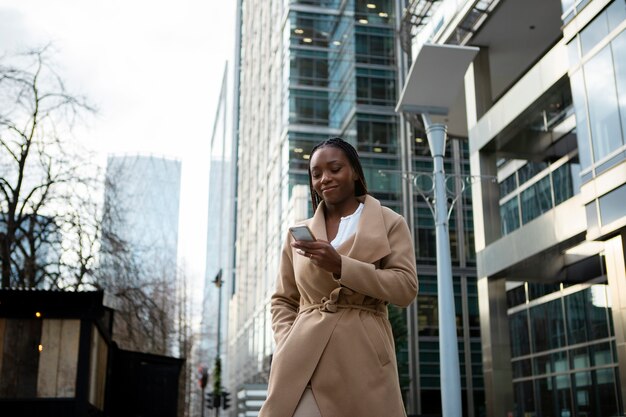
(332, 176)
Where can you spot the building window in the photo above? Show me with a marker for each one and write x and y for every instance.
(308, 107)
(593, 33)
(374, 45)
(309, 29)
(618, 47)
(309, 68)
(560, 182)
(612, 205)
(377, 134)
(586, 315)
(603, 110)
(518, 324)
(376, 91)
(568, 363)
(300, 147)
(509, 214)
(536, 200)
(374, 11)
(565, 179)
(599, 90)
(547, 326)
(582, 120)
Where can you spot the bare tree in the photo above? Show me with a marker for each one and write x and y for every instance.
(135, 268)
(55, 229)
(40, 168)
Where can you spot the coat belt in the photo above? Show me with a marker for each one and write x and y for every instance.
(330, 305)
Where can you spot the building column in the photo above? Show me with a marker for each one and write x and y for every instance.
(616, 274)
(494, 325)
(478, 97)
(485, 201)
(496, 346)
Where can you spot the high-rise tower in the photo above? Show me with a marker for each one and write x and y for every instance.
(313, 69)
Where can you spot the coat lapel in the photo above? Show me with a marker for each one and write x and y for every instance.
(370, 242)
(318, 223)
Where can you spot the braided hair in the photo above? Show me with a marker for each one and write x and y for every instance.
(360, 187)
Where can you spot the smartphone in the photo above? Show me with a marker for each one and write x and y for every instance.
(302, 233)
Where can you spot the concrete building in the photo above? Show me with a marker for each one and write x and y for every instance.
(311, 70)
(545, 110)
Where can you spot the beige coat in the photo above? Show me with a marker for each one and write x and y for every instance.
(335, 333)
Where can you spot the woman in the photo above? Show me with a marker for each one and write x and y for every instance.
(334, 352)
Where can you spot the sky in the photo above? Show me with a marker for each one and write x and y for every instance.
(153, 69)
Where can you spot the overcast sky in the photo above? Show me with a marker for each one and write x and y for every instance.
(153, 68)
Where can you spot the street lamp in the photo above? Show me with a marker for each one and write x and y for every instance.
(218, 364)
(432, 87)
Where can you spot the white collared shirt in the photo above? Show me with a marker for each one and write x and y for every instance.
(347, 227)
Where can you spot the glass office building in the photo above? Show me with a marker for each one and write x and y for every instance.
(545, 104)
(311, 70)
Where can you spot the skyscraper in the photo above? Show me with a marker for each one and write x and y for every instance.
(311, 70)
(220, 235)
(139, 248)
(545, 104)
(145, 191)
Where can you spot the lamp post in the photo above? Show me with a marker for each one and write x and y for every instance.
(433, 85)
(218, 366)
(448, 342)
(218, 283)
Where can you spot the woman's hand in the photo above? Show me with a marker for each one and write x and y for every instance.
(321, 253)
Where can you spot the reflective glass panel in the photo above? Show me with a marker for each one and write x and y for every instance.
(582, 124)
(566, 5)
(619, 53)
(536, 200)
(554, 396)
(539, 289)
(594, 32)
(427, 316)
(522, 368)
(592, 217)
(518, 327)
(573, 51)
(587, 315)
(308, 107)
(524, 399)
(509, 213)
(508, 185)
(516, 296)
(608, 403)
(562, 183)
(616, 13)
(602, 99)
(376, 133)
(374, 45)
(530, 170)
(601, 354)
(547, 326)
(308, 67)
(612, 205)
(551, 363)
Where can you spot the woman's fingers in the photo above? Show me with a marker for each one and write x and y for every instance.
(321, 253)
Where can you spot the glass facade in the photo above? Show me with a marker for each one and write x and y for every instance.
(551, 174)
(556, 140)
(563, 350)
(545, 189)
(598, 81)
(336, 75)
